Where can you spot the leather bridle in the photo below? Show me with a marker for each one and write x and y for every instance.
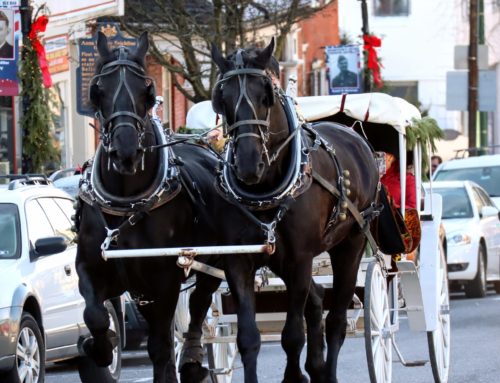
(108, 125)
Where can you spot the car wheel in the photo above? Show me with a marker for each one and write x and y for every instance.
(30, 354)
(477, 287)
(90, 372)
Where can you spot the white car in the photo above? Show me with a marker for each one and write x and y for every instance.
(472, 225)
(41, 309)
(483, 170)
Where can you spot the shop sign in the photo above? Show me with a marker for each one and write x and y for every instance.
(56, 51)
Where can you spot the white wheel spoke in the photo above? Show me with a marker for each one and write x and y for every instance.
(22, 371)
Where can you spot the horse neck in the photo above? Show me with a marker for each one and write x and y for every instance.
(129, 185)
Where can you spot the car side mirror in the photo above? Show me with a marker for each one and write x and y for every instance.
(50, 245)
(489, 211)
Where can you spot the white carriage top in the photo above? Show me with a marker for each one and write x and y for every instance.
(367, 107)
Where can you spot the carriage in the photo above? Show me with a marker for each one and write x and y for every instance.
(129, 189)
(377, 305)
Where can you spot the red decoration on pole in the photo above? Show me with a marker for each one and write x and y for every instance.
(38, 26)
(373, 63)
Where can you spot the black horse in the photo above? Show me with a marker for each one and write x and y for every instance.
(138, 193)
(311, 183)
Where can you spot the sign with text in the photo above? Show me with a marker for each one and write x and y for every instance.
(88, 57)
(343, 69)
(56, 50)
(10, 34)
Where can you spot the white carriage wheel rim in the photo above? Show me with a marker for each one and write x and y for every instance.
(28, 356)
(380, 339)
(114, 362)
(224, 357)
(441, 336)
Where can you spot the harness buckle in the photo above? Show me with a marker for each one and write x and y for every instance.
(111, 238)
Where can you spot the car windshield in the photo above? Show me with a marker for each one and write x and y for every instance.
(10, 239)
(456, 203)
(488, 177)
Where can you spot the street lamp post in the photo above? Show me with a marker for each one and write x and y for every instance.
(26, 11)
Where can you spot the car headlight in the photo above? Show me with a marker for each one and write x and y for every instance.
(459, 239)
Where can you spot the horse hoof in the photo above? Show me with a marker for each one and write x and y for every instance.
(194, 373)
(101, 356)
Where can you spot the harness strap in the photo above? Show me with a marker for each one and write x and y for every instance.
(362, 222)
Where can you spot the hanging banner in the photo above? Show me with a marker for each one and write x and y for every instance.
(88, 57)
(10, 33)
(343, 69)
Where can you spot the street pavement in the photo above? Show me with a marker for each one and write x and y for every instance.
(475, 352)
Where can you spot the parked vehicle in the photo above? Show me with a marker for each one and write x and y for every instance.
(483, 170)
(471, 221)
(41, 309)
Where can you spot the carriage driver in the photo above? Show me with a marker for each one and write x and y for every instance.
(392, 181)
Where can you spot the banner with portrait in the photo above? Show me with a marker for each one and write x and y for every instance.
(343, 69)
(9, 47)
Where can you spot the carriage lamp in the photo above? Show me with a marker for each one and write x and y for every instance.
(459, 239)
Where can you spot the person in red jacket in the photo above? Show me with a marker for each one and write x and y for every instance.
(391, 180)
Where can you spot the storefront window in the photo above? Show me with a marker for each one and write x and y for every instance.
(57, 126)
(392, 7)
(6, 131)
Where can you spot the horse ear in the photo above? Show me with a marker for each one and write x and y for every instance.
(102, 44)
(265, 55)
(220, 61)
(143, 46)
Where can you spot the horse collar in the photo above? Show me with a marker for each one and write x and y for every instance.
(164, 188)
(296, 181)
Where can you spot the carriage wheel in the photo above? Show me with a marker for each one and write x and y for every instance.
(182, 319)
(221, 356)
(439, 339)
(378, 342)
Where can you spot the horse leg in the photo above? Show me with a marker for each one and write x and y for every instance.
(315, 361)
(345, 259)
(190, 367)
(298, 282)
(100, 346)
(160, 314)
(240, 273)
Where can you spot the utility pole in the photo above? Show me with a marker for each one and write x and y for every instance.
(483, 116)
(473, 73)
(366, 31)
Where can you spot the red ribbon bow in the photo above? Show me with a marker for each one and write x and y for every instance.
(372, 42)
(39, 25)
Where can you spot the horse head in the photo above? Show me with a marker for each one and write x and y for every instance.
(244, 95)
(122, 94)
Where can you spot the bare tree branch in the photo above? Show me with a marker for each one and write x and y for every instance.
(181, 32)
